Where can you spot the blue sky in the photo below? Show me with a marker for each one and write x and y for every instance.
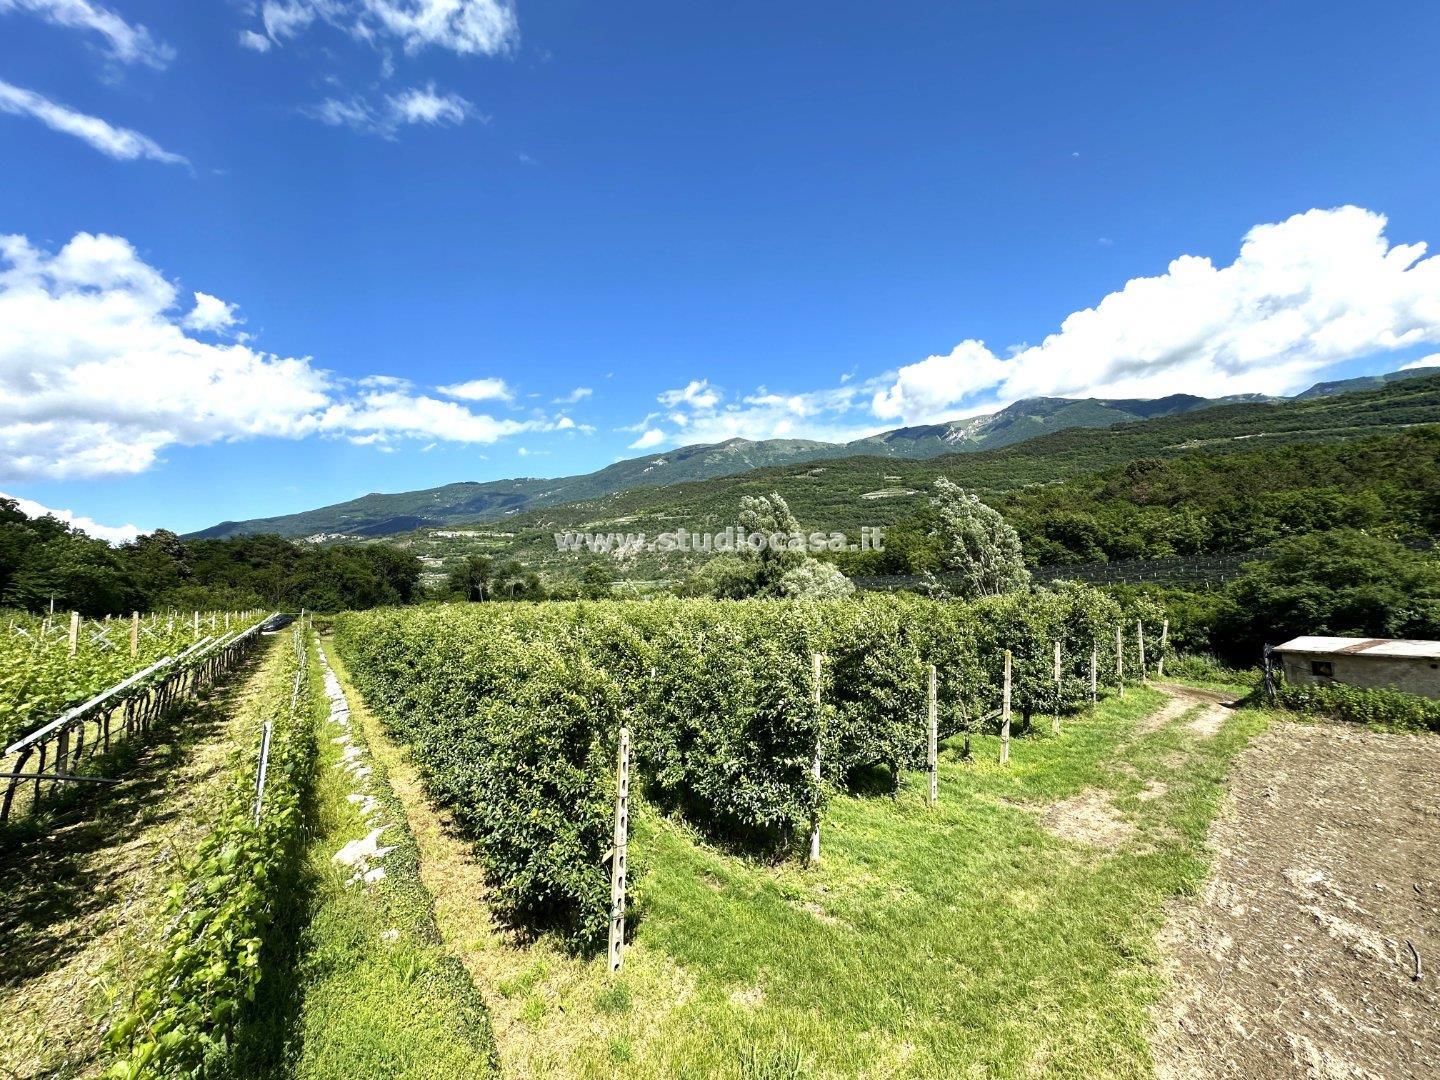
(761, 219)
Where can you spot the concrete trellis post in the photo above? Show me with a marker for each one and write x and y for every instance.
(262, 768)
(134, 634)
(1120, 659)
(197, 624)
(815, 769)
(1094, 673)
(933, 759)
(618, 853)
(1140, 638)
(1055, 727)
(1164, 641)
(74, 632)
(1005, 715)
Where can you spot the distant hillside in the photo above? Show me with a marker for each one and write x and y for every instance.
(1364, 382)
(478, 502)
(847, 493)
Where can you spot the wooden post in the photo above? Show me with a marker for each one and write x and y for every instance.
(134, 634)
(1140, 638)
(1005, 715)
(934, 754)
(1120, 659)
(618, 853)
(1094, 673)
(815, 767)
(1055, 727)
(74, 632)
(1164, 641)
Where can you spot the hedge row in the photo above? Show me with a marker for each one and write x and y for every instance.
(512, 710)
(187, 1006)
(1361, 705)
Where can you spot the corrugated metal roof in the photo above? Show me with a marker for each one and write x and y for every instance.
(1354, 646)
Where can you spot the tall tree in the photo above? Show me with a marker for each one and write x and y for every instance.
(976, 543)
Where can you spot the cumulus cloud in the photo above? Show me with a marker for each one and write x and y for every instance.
(697, 394)
(650, 438)
(479, 390)
(1433, 360)
(415, 105)
(1319, 288)
(98, 375)
(111, 534)
(580, 393)
(116, 142)
(129, 43)
(466, 27)
(210, 314)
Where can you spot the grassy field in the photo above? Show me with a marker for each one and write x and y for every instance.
(1010, 931)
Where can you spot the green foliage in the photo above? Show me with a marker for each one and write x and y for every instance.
(186, 1008)
(1338, 583)
(39, 679)
(45, 559)
(512, 711)
(815, 580)
(1191, 504)
(976, 543)
(1362, 705)
(514, 731)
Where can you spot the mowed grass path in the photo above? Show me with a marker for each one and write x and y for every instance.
(964, 940)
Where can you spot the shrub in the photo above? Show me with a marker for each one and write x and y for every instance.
(1362, 705)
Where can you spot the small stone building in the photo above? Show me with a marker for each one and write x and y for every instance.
(1412, 666)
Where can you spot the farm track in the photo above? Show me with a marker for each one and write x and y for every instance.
(81, 900)
(1295, 959)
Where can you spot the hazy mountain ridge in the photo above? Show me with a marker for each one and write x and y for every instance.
(479, 502)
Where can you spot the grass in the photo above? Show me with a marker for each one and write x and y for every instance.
(965, 940)
(374, 991)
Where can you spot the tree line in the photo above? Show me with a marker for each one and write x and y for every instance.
(44, 560)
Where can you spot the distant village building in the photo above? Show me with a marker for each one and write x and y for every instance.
(1412, 666)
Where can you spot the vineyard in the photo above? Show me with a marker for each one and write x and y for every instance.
(65, 684)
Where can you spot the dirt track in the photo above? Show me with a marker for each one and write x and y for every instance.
(1294, 959)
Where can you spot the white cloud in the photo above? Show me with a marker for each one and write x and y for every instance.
(479, 390)
(210, 314)
(381, 415)
(249, 39)
(98, 376)
(111, 534)
(415, 105)
(580, 393)
(697, 394)
(1319, 288)
(466, 27)
(128, 43)
(116, 142)
(652, 437)
(1433, 360)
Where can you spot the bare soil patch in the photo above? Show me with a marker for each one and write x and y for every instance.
(1087, 818)
(1294, 960)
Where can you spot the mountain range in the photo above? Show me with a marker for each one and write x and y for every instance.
(471, 502)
